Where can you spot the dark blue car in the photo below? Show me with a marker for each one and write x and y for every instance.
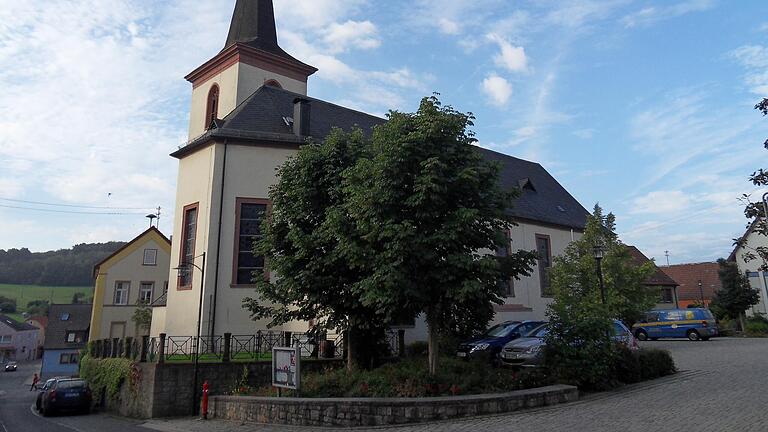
(494, 339)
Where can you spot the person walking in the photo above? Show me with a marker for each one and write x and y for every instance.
(35, 380)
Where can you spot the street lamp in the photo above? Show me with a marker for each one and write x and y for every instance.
(701, 292)
(184, 267)
(598, 253)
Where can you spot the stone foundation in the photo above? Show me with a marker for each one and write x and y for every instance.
(350, 412)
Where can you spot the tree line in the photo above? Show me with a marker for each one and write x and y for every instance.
(64, 267)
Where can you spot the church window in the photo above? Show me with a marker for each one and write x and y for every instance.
(250, 213)
(212, 108)
(187, 255)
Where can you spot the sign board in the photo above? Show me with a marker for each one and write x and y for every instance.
(285, 367)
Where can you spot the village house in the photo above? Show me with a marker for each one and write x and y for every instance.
(697, 282)
(65, 337)
(18, 341)
(658, 281)
(750, 263)
(249, 113)
(40, 322)
(134, 275)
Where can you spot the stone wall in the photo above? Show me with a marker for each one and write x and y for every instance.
(166, 390)
(350, 412)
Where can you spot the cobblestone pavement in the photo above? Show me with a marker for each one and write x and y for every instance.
(720, 388)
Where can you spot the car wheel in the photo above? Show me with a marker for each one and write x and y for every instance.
(693, 335)
(654, 339)
(641, 335)
(46, 411)
(705, 338)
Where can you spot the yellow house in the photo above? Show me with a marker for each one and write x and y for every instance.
(135, 274)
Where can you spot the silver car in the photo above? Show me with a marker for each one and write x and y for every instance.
(527, 351)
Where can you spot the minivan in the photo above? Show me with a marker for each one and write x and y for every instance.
(694, 324)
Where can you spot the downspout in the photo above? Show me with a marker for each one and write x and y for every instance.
(218, 241)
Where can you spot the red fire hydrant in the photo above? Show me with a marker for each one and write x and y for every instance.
(204, 408)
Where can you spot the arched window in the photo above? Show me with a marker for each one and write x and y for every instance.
(212, 108)
(273, 83)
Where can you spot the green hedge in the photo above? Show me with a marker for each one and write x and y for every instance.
(642, 365)
(108, 374)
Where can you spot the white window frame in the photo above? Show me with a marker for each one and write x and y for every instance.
(124, 288)
(6, 339)
(142, 290)
(150, 257)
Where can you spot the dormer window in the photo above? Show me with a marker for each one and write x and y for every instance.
(526, 183)
(212, 107)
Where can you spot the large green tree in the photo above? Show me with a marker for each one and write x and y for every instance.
(428, 211)
(755, 210)
(736, 294)
(578, 347)
(306, 243)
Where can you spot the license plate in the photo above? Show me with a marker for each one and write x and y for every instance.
(461, 354)
(70, 395)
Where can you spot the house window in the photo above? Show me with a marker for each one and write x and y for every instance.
(212, 108)
(666, 295)
(68, 358)
(751, 274)
(507, 285)
(64, 316)
(71, 337)
(544, 250)
(187, 256)
(150, 257)
(145, 292)
(75, 337)
(250, 213)
(122, 288)
(6, 339)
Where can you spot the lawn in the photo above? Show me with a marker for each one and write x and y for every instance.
(26, 293)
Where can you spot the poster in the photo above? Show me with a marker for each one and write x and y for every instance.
(285, 368)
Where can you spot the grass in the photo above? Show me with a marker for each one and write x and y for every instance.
(26, 293)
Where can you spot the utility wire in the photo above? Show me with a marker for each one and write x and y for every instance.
(68, 211)
(74, 205)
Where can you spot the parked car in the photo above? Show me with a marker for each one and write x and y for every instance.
(65, 394)
(527, 351)
(11, 366)
(694, 324)
(494, 339)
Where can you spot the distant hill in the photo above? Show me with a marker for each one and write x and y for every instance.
(64, 267)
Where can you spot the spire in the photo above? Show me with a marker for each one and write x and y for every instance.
(253, 24)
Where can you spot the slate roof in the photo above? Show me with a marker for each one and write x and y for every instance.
(78, 319)
(253, 24)
(688, 276)
(261, 117)
(658, 277)
(15, 325)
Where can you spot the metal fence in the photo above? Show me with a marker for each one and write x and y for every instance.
(227, 347)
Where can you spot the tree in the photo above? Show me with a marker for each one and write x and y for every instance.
(425, 205)
(142, 316)
(578, 347)
(7, 305)
(78, 297)
(38, 308)
(755, 211)
(305, 242)
(736, 295)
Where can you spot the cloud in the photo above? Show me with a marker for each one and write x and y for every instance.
(511, 57)
(661, 202)
(340, 37)
(585, 134)
(448, 26)
(497, 89)
(754, 58)
(653, 14)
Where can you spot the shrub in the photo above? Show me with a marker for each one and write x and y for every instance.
(417, 349)
(756, 327)
(655, 363)
(106, 374)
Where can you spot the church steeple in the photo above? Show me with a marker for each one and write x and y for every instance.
(253, 24)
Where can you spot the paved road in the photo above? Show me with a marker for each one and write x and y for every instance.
(720, 388)
(17, 414)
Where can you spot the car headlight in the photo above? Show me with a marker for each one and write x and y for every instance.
(480, 347)
(533, 350)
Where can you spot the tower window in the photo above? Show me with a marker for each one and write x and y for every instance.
(212, 107)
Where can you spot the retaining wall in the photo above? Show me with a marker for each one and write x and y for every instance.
(350, 412)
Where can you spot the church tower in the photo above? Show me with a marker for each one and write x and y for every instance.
(251, 58)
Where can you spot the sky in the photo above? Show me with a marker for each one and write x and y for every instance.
(643, 106)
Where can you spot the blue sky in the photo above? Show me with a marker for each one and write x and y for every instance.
(643, 106)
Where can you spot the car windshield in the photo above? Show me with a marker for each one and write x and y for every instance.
(708, 314)
(501, 330)
(619, 330)
(539, 332)
(74, 384)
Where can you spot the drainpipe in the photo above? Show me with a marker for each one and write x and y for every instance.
(218, 241)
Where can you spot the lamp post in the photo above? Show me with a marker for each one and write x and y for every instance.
(598, 252)
(701, 292)
(185, 267)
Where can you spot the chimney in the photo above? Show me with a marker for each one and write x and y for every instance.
(301, 117)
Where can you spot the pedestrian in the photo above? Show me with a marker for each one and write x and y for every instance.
(35, 380)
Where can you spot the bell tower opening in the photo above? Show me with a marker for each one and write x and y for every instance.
(212, 107)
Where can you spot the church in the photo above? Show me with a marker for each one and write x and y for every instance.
(249, 113)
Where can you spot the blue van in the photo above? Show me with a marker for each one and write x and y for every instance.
(694, 324)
